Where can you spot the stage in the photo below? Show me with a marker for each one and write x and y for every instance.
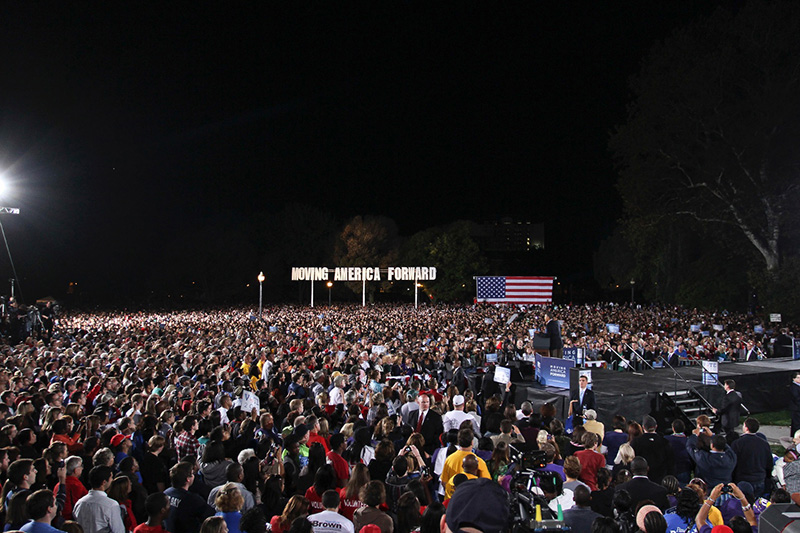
(764, 386)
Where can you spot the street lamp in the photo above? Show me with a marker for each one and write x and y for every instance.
(10, 211)
(329, 284)
(261, 279)
(633, 282)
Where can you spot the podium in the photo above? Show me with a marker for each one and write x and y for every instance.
(541, 345)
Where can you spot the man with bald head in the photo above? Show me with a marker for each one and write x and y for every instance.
(469, 467)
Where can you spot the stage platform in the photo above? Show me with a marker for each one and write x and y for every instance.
(764, 386)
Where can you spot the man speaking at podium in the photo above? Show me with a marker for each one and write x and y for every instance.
(552, 331)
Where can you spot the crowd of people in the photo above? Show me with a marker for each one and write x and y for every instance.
(352, 419)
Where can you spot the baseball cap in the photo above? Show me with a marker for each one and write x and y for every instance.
(458, 400)
(117, 439)
(478, 503)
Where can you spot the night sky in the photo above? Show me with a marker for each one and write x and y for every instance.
(121, 126)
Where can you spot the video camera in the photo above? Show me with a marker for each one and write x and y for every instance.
(530, 510)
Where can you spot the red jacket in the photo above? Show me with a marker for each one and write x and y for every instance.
(75, 491)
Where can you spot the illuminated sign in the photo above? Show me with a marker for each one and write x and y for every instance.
(364, 273)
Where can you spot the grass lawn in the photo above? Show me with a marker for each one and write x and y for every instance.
(773, 418)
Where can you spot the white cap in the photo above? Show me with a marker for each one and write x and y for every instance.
(458, 400)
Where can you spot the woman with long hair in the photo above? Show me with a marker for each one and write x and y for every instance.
(349, 494)
(272, 500)
(498, 465)
(316, 460)
(408, 515)
(432, 518)
(324, 480)
(120, 491)
(16, 511)
(622, 461)
(296, 507)
(384, 454)
(213, 464)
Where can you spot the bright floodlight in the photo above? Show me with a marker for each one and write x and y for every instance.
(261, 277)
(3, 186)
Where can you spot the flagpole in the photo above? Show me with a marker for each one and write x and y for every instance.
(312, 293)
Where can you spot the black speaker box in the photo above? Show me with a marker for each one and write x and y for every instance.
(780, 518)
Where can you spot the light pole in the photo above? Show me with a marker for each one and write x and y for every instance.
(261, 279)
(10, 211)
(633, 282)
(329, 284)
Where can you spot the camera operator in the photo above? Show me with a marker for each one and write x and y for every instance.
(554, 492)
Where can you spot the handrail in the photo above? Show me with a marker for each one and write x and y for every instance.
(687, 382)
(627, 363)
(723, 386)
(641, 358)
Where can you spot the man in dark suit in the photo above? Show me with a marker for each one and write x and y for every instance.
(783, 344)
(655, 449)
(794, 405)
(583, 398)
(641, 488)
(459, 377)
(729, 412)
(552, 331)
(426, 422)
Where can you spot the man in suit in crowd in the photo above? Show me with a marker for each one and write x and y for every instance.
(552, 331)
(783, 344)
(426, 422)
(459, 380)
(729, 412)
(655, 449)
(641, 488)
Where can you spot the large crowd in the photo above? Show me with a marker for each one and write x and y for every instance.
(359, 419)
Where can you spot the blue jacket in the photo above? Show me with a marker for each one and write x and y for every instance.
(713, 467)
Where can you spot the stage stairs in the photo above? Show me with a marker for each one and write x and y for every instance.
(686, 404)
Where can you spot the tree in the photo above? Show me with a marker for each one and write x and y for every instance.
(455, 255)
(713, 130)
(297, 235)
(367, 241)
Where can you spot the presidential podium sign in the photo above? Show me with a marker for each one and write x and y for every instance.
(553, 372)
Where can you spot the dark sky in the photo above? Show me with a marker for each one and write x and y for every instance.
(121, 125)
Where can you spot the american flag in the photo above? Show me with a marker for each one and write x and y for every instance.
(515, 289)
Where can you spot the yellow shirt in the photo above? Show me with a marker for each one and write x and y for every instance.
(450, 488)
(452, 466)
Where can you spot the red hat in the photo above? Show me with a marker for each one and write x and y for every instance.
(370, 528)
(117, 439)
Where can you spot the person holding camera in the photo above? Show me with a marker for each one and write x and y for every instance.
(714, 467)
(716, 492)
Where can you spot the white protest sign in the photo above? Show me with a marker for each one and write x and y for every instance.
(502, 374)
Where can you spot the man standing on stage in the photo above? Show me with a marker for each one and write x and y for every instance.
(552, 331)
(794, 405)
(729, 412)
(583, 398)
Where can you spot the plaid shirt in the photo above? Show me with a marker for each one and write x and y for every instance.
(186, 444)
